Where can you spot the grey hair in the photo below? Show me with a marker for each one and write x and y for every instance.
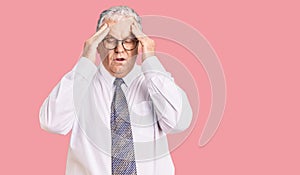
(117, 13)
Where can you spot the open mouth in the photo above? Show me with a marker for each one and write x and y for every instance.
(120, 59)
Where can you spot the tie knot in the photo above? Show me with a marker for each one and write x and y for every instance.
(118, 82)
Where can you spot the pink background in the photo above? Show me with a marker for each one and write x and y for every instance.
(258, 46)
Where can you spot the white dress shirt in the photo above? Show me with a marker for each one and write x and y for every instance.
(81, 102)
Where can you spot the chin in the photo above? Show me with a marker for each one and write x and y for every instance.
(118, 71)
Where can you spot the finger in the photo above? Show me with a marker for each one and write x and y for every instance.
(137, 31)
(102, 35)
(101, 29)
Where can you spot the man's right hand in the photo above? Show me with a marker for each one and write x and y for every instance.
(90, 45)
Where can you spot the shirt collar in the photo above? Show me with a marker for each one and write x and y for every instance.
(134, 73)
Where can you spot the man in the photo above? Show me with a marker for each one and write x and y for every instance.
(119, 112)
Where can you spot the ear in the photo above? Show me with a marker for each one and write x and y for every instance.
(98, 49)
(101, 51)
(140, 47)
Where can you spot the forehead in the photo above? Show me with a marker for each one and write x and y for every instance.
(120, 29)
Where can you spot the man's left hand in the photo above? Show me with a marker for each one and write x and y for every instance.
(147, 44)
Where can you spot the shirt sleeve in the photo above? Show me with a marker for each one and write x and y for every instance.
(170, 103)
(57, 112)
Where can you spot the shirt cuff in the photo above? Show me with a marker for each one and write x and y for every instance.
(86, 68)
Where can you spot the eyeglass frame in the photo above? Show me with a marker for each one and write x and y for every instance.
(122, 41)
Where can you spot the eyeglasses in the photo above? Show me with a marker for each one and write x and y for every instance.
(128, 43)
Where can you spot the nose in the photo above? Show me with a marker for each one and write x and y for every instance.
(119, 47)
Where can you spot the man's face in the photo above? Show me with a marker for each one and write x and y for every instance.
(118, 61)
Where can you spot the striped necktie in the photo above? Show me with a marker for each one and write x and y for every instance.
(123, 161)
